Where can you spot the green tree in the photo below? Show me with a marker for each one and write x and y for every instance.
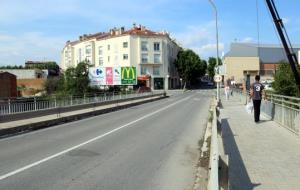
(55, 84)
(284, 81)
(77, 80)
(190, 66)
(212, 62)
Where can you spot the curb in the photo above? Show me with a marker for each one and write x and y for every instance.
(49, 123)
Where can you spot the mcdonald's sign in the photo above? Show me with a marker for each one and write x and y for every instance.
(128, 76)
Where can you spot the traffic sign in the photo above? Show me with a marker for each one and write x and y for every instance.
(217, 78)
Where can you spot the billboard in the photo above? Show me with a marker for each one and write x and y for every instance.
(117, 75)
(101, 76)
(97, 76)
(109, 76)
(128, 76)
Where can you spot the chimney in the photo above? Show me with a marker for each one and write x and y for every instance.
(80, 38)
(134, 25)
(111, 32)
(143, 28)
(122, 30)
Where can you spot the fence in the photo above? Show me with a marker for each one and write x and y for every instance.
(13, 106)
(284, 110)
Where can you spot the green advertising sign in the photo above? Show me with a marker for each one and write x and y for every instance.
(128, 76)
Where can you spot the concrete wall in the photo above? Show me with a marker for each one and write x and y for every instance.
(238, 67)
(31, 86)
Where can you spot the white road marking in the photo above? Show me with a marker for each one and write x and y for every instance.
(86, 142)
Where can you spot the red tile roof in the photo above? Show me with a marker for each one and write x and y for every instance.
(141, 31)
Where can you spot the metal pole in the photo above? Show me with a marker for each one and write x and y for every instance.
(217, 40)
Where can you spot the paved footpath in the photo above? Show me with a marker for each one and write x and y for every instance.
(261, 156)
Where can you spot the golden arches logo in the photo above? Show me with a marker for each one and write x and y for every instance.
(127, 72)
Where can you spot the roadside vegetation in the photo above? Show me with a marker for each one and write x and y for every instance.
(190, 67)
(75, 80)
(212, 63)
(284, 81)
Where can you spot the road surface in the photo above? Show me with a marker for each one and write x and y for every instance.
(150, 146)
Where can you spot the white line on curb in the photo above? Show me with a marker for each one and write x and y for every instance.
(86, 142)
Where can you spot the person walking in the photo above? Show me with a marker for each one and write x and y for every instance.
(256, 90)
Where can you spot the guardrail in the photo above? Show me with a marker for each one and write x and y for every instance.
(213, 181)
(285, 110)
(14, 106)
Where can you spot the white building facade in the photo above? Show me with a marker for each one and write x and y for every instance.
(152, 53)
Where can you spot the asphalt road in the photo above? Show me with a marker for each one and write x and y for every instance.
(150, 146)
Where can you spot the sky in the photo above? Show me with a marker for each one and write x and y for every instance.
(38, 29)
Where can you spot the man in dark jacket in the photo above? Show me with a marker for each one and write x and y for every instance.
(256, 95)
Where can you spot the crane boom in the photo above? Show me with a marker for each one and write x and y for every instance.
(285, 40)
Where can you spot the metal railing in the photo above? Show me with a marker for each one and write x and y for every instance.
(13, 106)
(213, 181)
(285, 110)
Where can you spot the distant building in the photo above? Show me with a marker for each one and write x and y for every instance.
(27, 73)
(152, 53)
(49, 67)
(8, 87)
(245, 60)
(29, 81)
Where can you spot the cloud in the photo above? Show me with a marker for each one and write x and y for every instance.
(16, 49)
(285, 20)
(248, 40)
(201, 39)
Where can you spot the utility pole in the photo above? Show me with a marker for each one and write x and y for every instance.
(217, 40)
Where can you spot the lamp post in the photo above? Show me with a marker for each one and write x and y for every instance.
(217, 39)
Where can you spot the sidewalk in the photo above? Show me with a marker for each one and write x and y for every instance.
(261, 156)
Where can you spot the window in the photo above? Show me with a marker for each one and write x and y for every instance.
(108, 58)
(79, 54)
(100, 61)
(125, 44)
(88, 49)
(144, 46)
(125, 56)
(156, 71)
(157, 58)
(144, 70)
(144, 58)
(156, 46)
(108, 47)
(100, 50)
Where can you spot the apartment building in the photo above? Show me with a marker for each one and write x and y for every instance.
(152, 53)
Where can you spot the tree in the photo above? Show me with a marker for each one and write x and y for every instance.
(77, 81)
(212, 62)
(284, 81)
(54, 84)
(190, 66)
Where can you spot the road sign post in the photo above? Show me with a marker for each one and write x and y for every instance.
(218, 79)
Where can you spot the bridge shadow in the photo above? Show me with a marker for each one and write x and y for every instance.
(238, 175)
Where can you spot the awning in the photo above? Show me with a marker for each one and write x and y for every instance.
(144, 77)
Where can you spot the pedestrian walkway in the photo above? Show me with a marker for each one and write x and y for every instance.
(261, 156)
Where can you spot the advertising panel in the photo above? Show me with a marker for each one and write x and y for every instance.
(97, 76)
(109, 76)
(128, 76)
(117, 76)
(106, 76)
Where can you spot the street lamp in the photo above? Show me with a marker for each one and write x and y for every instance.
(217, 39)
